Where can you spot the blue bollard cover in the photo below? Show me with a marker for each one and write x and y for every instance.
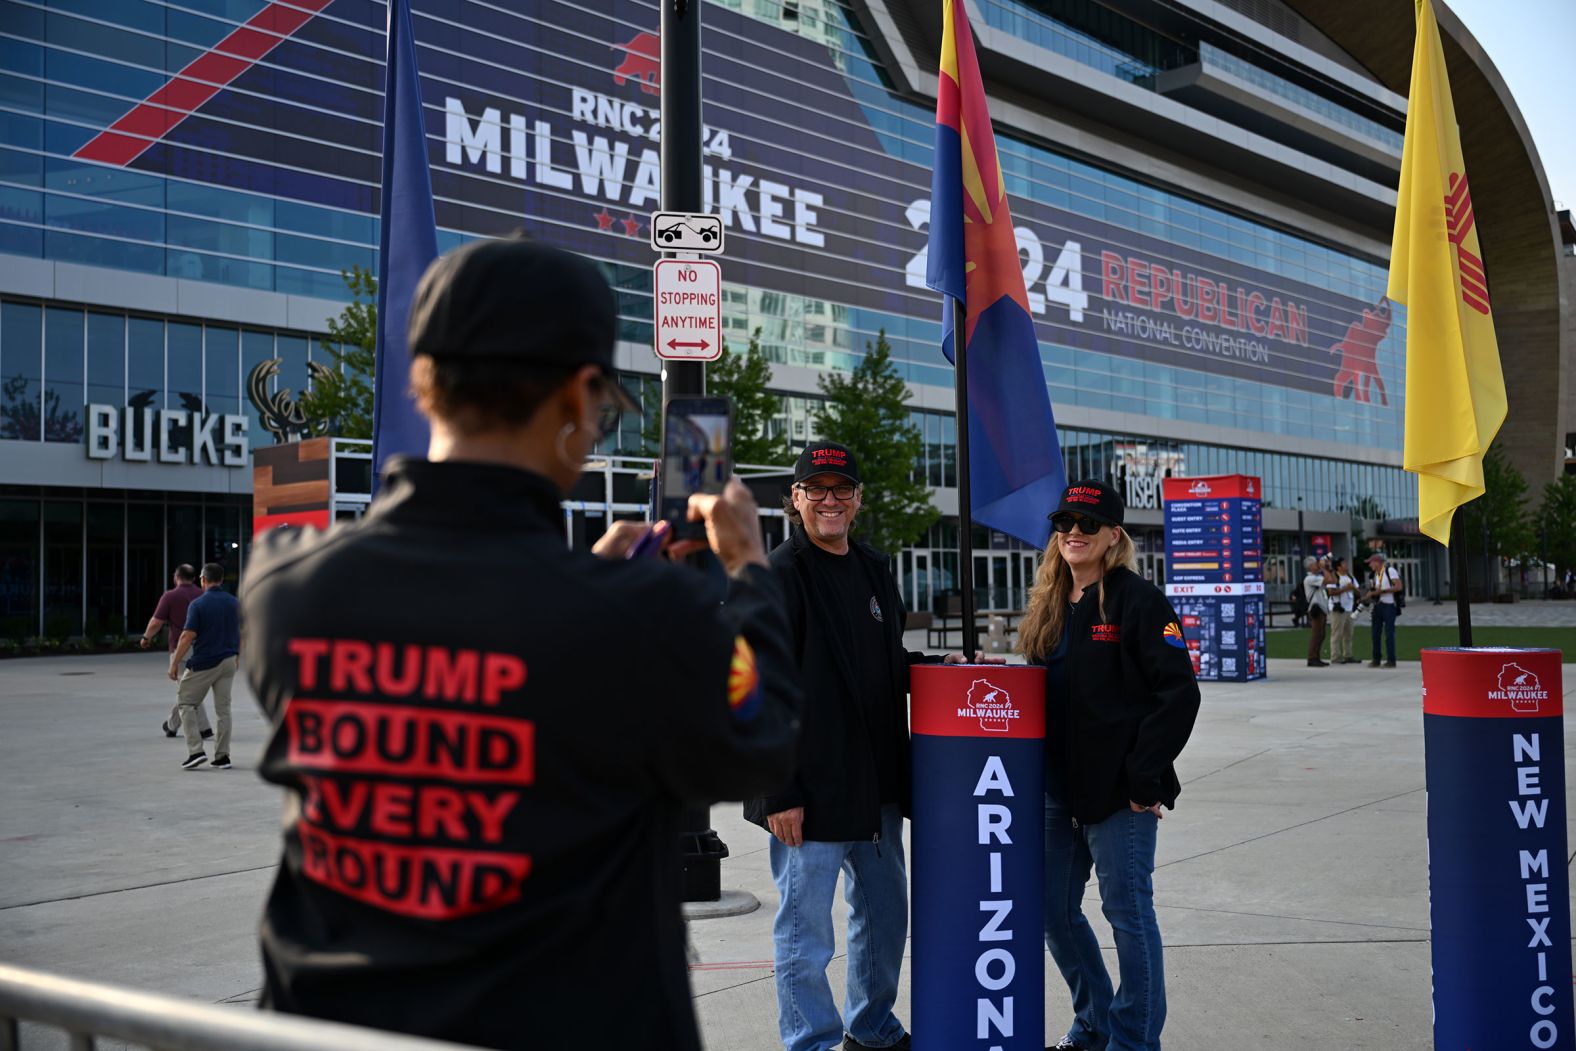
(978, 857)
(1499, 889)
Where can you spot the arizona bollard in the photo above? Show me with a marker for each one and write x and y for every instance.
(1499, 891)
(979, 857)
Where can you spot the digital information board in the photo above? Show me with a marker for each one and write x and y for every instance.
(1215, 572)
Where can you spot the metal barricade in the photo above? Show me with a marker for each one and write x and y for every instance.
(88, 1010)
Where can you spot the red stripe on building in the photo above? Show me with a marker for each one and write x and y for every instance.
(209, 73)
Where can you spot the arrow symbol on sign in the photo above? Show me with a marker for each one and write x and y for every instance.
(674, 344)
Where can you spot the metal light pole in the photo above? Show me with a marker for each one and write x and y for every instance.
(1302, 538)
(702, 848)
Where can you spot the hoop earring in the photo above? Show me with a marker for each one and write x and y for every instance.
(562, 445)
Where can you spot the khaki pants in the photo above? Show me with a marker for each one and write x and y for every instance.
(1340, 636)
(194, 686)
(174, 721)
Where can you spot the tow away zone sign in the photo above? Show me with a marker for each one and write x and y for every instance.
(688, 309)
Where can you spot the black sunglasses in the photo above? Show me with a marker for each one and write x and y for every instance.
(1086, 526)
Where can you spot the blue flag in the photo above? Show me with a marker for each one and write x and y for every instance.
(1015, 467)
(409, 243)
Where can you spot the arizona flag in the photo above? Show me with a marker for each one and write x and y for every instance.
(1015, 464)
(409, 243)
(1455, 391)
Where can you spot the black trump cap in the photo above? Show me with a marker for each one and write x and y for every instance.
(1094, 500)
(826, 458)
(519, 299)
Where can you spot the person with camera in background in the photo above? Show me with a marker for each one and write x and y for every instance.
(1343, 602)
(1383, 584)
(1318, 599)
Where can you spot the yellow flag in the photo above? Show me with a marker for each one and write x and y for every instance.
(1455, 391)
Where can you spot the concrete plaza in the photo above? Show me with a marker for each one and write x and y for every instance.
(1293, 884)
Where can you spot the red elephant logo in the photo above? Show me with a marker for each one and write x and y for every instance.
(642, 63)
(1359, 353)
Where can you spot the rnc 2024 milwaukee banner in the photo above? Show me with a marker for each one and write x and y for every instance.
(548, 119)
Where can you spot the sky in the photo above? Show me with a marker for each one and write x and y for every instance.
(1533, 45)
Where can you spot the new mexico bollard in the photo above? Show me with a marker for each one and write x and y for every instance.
(978, 857)
(1499, 890)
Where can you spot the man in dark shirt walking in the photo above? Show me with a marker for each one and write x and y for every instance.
(212, 636)
(171, 612)
(843, 811)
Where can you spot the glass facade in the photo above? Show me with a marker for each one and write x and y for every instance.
(67, 72)
(93, 564)
(539, 114)
(56, 360)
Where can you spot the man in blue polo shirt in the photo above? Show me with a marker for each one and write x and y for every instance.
(213, 636)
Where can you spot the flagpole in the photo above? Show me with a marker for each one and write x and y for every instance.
(965, 505)
(1458, 552)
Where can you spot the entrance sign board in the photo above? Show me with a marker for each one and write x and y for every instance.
(1215, 572)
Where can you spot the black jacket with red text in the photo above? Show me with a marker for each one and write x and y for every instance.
(835, 779)
(486, 742)
(1131, 700)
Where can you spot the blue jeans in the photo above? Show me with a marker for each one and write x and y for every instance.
(1121, 851)
(1384, 616)
(875, 884)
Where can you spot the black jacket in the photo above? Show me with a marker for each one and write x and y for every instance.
(1131, 700)
(486, 741)
(836, 779)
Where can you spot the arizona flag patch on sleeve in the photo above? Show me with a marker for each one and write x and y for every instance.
(1173, 635)
(744, 682)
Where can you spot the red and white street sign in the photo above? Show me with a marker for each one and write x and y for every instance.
(688, 309)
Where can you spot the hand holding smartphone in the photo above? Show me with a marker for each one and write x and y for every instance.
(697, 457)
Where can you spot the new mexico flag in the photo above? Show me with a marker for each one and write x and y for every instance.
(1455, 392)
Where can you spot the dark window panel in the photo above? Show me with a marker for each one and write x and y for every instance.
(62, 568)
(145, 363)
(18, 568)
(63, 374)
(21, 371)
(106, 359)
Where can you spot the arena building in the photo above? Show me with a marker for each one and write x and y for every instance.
(1203, 192)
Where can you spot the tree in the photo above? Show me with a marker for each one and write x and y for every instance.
(1557, 522)
(1502, 509)
(867, 411)
(341, 398)
(743, 378)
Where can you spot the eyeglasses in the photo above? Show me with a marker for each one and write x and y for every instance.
(1065, 524)
(816, 493)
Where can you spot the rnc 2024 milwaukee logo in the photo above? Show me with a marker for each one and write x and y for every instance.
(991, 705)
(1520, 687)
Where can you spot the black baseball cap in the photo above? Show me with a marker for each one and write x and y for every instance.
(826, 458)
(520, 299)
(1094, 500)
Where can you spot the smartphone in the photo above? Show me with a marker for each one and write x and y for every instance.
(697, 457)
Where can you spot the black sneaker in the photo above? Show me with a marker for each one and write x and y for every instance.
(207, 735)
(1066, 1044)
(1389, 664)
(1317, 664)
(221, 762)
(1373, 664)
(194, 760)
(166, 728)
(905, 1042)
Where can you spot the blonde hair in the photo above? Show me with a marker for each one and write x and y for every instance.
(1040, 632)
